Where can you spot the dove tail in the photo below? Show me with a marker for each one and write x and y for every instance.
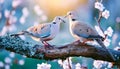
(101, 44)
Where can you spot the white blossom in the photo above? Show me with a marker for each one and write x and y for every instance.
(6, 13)
(99, 6)
(25, 12)
(109, 31)
(66, 63)
(0, 15)
(116, 48)
(44, 18)
(1, 64)
(8, 60)
(119, 43)
(106, 14)
(118, 19)
(78, 66)
(22, 20)
(107, 42)
(43, 66)
(21, 62)
(36, 23)
(97, 64)
(12, 19)
(60, 62)
(1, 1)
(109, 65)
(12, 54)
(99, 31)
(37, 10)
(11, 28)
(16, 3)
(7, 66)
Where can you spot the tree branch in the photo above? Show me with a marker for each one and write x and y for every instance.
(17, 45)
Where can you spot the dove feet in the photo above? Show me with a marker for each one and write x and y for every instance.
(47, 45)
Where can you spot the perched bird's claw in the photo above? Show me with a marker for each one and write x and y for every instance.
(48, 47)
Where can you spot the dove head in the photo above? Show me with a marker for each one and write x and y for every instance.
(72, 15)
(58, 19)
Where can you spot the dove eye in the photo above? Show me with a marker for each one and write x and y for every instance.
(54, 22)
(59, 18)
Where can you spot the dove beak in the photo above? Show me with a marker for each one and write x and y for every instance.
(63, 21)
(66, 16)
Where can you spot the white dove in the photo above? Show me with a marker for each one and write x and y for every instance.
(84, 32)
(44, 32)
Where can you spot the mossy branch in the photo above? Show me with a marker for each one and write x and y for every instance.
(17, 45)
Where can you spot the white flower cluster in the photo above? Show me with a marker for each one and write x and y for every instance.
(43, 66)
(108, 32)
(9, 60)
(10, 24)
(40, 13)
(65, 64)
(98, 64)
(25, 12)
(100, 7)
(1, 1)
(16, 3)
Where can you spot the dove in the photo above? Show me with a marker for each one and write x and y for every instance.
(44, 32)
(84, 32)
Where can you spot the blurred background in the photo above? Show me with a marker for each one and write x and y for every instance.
(18, 15)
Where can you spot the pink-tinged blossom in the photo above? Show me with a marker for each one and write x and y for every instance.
(78, 66)
(98, 64)
(12, 28)
(22, 20)
(6, 13)
(107, 42)
(106, 14)
(43, 66)
(12, 54)
(44, 18)
(118, 19)
(117, 48)
(37, 10)
(60, 62)
(25, 12)
(8, 60)
(1, 1)
(66, 63)
(21, 62)
(99, 31)
(109, 31)
(6, 29)
(16, 3)
(12, 19)
(99, 6)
